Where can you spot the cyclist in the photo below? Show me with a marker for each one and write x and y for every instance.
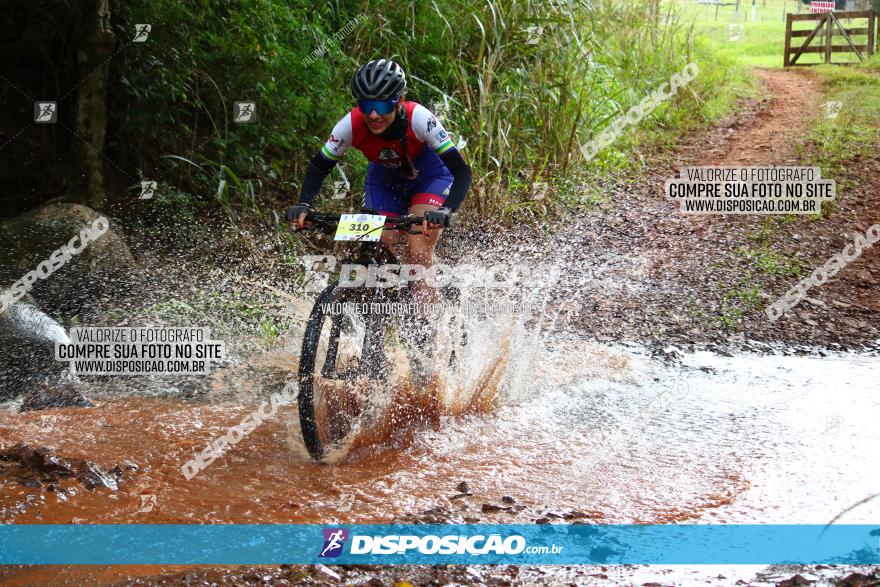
(414, 166)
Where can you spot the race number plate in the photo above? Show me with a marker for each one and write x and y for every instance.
(359, 227)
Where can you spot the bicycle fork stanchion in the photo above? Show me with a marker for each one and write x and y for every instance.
(373, 362)
(329, 368)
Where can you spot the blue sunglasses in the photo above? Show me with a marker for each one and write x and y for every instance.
(382, 107)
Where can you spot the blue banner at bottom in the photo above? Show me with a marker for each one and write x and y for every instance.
(179, 544)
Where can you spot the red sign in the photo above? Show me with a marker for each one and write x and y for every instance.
(819, 7)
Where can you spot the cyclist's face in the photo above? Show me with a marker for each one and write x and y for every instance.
(377, 124)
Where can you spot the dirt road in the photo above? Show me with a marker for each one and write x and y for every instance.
(660, 276)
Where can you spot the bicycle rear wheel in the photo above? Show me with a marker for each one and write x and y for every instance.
(342, 363)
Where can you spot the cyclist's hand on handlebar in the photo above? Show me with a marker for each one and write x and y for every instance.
(298, 213)
(440, 218)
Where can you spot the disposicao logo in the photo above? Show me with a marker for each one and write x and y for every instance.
(449, 544)
(334, 540)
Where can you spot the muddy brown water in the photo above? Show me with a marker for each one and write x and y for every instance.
(560, 426)
(610, 432)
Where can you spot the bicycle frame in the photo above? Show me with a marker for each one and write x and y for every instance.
(372, 361)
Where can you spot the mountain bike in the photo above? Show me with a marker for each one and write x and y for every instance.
(353, 334)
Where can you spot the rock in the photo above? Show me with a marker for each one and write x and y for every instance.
(463, 487)
(327, 572)
(60, 396)
(507, 499)
(38, 460)
(858, 580)
(796, 581)
(574, 515)
(103, 265)
(91, 476)
(31, 482)
(50, 467)
(120, 470)
(488, 508)
(669, 355)
(130, 466)
(27, 351)
(855, 324)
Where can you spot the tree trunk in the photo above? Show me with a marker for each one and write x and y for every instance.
(90, 122)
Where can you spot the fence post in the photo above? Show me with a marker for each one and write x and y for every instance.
(829, 32)
(787, 58)
(870, 33)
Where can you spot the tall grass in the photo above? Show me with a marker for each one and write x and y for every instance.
(523, 109)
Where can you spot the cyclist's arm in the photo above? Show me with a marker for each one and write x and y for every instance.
(428, 129)
(324, 161)
(319, 168)
(461, 178)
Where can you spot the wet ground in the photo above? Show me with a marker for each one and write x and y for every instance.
(724, 439)
(599, 434)
(647, 272)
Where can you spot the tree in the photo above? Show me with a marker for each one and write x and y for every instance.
(95, 47)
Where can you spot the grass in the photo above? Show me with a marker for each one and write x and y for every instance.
(738, 303)
(762, 40)
(834, 143)
(228, 312)
(765, 260)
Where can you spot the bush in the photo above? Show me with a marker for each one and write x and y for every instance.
(526, 84)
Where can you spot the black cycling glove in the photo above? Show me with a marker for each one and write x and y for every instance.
(440, 216)
(294, 211)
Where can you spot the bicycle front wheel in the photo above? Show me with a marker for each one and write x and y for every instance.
(342, 362)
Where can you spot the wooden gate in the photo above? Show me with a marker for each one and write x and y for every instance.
(828, 27)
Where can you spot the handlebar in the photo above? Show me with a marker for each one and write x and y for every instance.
(327, 223)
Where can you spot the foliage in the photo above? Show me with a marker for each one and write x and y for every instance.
(835, 143)
(523, 102)
(766, 260)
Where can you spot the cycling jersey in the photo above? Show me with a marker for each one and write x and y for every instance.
(423, 129)
(442, 176)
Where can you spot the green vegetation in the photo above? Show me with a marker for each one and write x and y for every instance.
(835, 143)
(523, 102)
(762, 41)
(766, 260)
(743, 300)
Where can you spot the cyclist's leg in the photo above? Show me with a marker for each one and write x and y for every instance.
(420, 251)
(426, 193)
(420, 247)
(431, 195)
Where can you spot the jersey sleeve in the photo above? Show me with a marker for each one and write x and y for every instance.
(339, 141)
(429, 130)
